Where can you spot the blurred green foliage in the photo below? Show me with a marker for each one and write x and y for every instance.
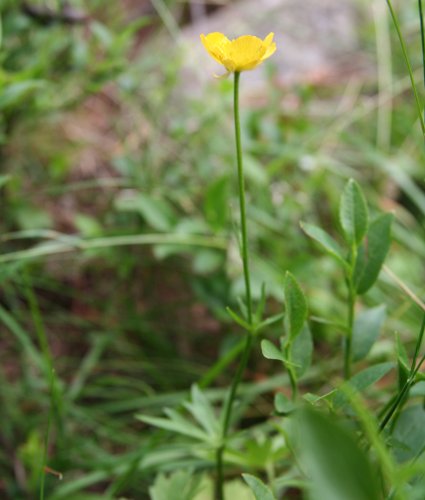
(98, 140)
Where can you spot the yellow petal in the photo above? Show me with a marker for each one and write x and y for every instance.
(215, 44)
(270, 46)
(269, 39)
(246, 52)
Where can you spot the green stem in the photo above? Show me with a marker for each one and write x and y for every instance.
(421, 20)
(349, 334)
(245, 262)
(409, 67)
(291, 372)
(228, 413)
(350, 317)
(55, 401)
(241, 185)
(219, 493)
(403, 393)
(399, 399)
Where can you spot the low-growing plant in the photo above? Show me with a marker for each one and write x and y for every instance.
(339, 416)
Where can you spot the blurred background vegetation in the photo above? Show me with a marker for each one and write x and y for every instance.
(100, 145)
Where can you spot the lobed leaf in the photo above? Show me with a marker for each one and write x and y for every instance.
(260, 490)
(175, 423)
(203, 412)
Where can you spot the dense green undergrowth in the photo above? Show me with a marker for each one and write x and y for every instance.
(121, 322)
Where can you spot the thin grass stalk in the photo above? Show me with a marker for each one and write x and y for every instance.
(403, 393)
(49, 373)
(385, 80)
(409, 67)
(421, 21)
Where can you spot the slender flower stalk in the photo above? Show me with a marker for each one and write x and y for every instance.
(242, 54)
(245, 261)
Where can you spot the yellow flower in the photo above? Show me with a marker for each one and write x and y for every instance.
(241, 54)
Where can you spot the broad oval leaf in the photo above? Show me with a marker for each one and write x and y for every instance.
(409, 433)
(296, 306)
(283, 405)
(372, 254)
(353, 213)
(302, 351)
(361, 381)
(270, 351)
(332, 458)
(366, 330)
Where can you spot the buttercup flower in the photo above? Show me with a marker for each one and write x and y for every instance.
(242, 54)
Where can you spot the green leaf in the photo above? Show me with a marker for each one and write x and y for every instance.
(409, 432)
(353, 213)
(366, 330)
(237, 319)
(102, 34)
(361, 381)
(255, 171)
(296, 306)
(325, 240)
(217, 202)
(207, 261)
(332, 458)
(17, 93)
(402, 363)
(270, 351)
(260, 490)
(4, 179)
(203, 412)
(261, 305)
(283, 405)
(269, 321)
(157, 212)
(418, 389)
(372, 254)
(180, 485)
(302, 351)
(175, 423)
(33, 355)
